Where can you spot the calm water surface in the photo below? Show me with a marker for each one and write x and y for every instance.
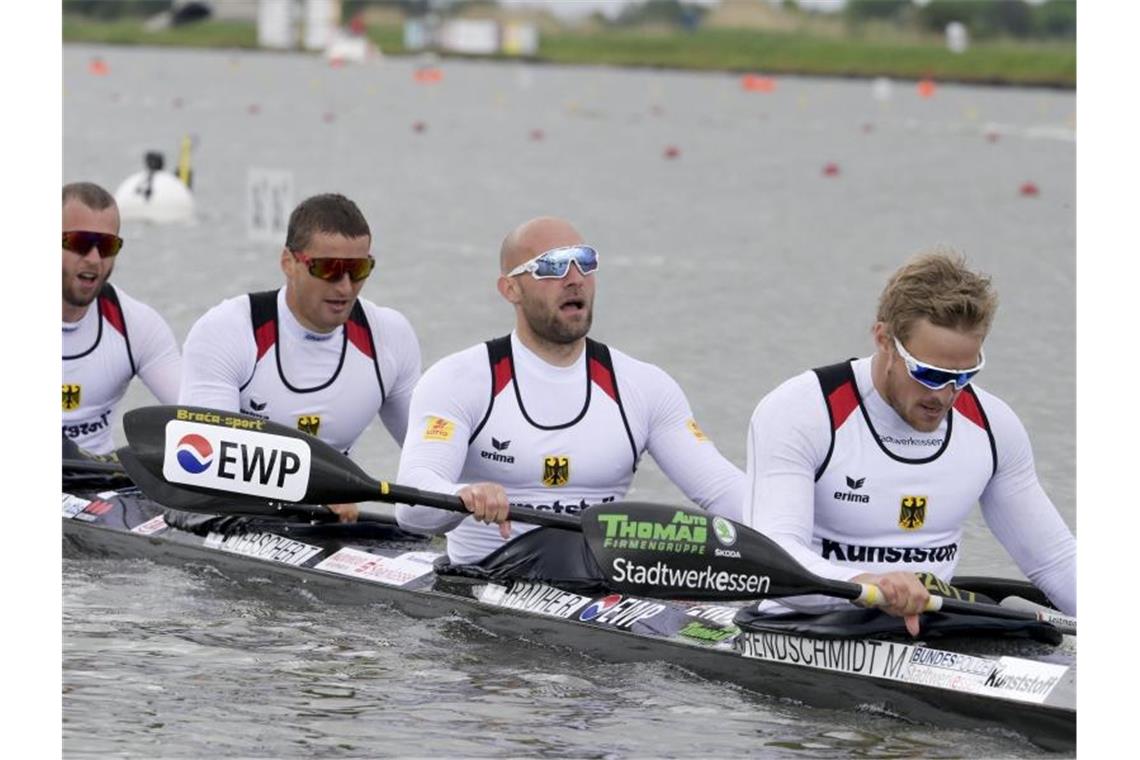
(733, 265)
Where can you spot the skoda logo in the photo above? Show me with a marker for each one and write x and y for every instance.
(724, 530)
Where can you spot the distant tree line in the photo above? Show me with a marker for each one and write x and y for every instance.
(984, 18)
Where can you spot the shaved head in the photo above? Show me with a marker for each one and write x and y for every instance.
(533, 237)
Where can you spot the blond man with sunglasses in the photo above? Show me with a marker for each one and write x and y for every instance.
(545, 417)
(866, 470)
(314, 354)
(108, 337)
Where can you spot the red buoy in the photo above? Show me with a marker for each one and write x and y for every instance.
(253, 109)
(831, 169)
(672, 151)
(1029, 190)
(418, 126)
(537, 134)
(926, 88)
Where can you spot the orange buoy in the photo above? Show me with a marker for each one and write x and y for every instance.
(757, 83)
(926, 88)
(98, 67)
(831, 169)
(1029, 190)
(428, 75)
(672, 151)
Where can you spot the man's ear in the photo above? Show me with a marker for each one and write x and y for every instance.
(883, 337)
(509, 288)
(287, 261)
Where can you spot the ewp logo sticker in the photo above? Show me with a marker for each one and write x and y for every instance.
(599, 607)
(195, 453)
(233, 460)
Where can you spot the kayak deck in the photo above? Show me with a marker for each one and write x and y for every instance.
(1033, 697)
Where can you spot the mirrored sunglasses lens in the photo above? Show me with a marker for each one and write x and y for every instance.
(81, 242)
(333, 269)
(936, 379)
(558, 264)
(555, 266)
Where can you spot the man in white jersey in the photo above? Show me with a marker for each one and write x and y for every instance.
(313, 354)
(108, 337)
(545, 417)
(867, 470)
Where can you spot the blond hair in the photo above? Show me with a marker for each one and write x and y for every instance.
(938, 286)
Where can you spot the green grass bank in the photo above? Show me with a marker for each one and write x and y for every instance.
(1049, 64)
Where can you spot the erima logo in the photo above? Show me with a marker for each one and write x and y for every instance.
(495, 456)
(854, 485)
(261, 407)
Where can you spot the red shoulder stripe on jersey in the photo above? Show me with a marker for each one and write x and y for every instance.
(603, 377)
(266, 336)
(842, 402)
(968, 407)
(501, 374)
(113, 314)
(358, 335)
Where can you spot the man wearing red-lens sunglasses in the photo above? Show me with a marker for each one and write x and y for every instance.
(313, 354)
(546, 416)
(108, 336)
(867, 470)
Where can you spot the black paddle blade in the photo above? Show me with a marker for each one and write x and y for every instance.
(687, 553)
(218, 453)
(180, 498)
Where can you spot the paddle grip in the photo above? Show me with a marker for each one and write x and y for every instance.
(408, 495)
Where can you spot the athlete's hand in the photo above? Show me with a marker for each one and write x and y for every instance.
(903, 596)
(345, 513)
(488, 503)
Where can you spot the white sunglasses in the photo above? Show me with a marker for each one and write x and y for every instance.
(936, 378)
(555, 263)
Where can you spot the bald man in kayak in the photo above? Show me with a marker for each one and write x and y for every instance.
(867, 470)
(546, 417)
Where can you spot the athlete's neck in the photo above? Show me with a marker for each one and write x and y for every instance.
(73, 313)
(295, 311)
(557, 354)
(879, 374)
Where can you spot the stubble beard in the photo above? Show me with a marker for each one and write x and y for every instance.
(550, 328)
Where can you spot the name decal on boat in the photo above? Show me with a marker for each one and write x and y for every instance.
(264, 546)
(534, 597)
(867, 657)
(391, 571)
(227, 459)
(1007, 677)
